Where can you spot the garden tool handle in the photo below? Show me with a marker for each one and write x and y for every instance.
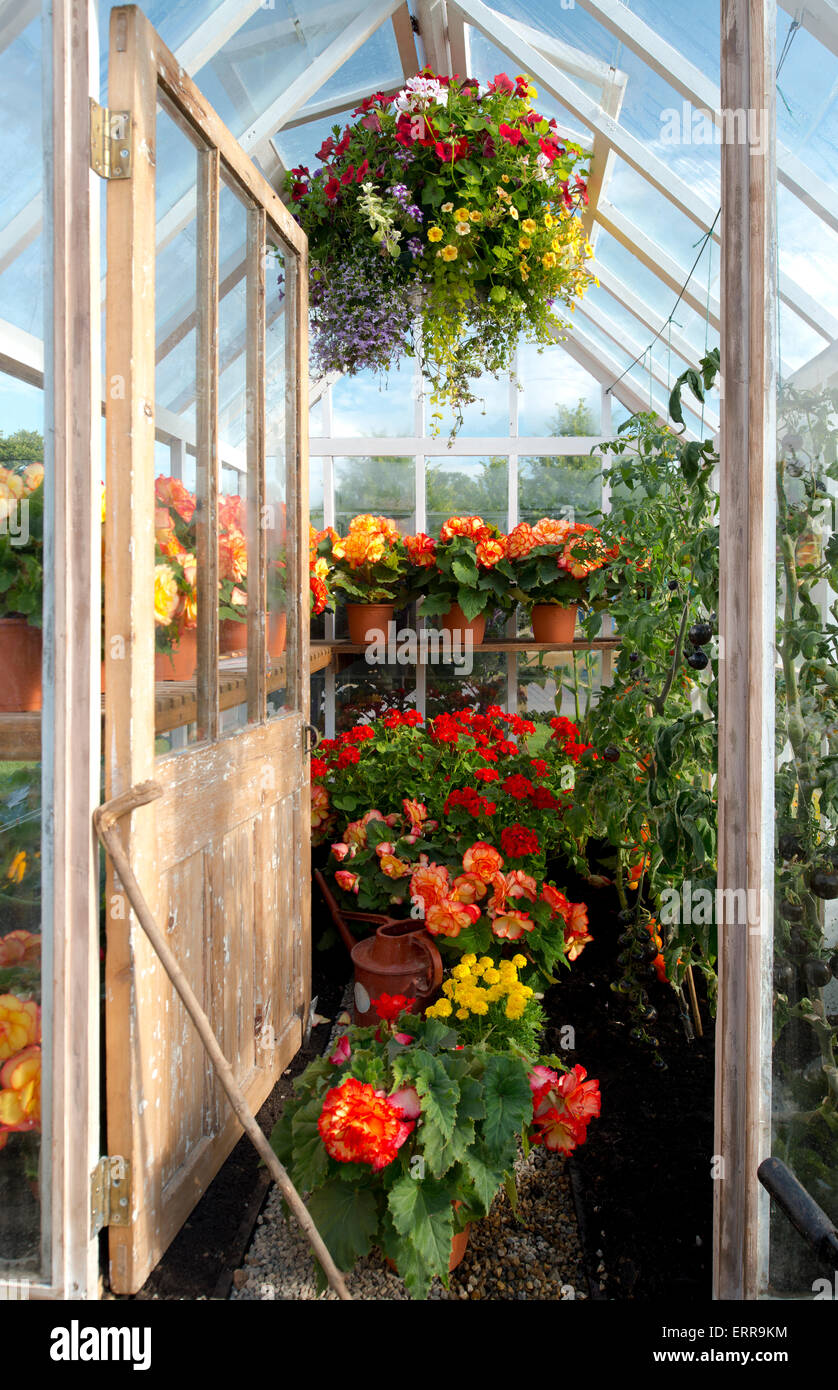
(801, 1209)
(436, 971)
(105, 820)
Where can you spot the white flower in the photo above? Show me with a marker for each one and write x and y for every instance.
(463, 228)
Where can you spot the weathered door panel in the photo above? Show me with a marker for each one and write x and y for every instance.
(221, 855)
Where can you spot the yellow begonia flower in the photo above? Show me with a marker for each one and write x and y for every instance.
(435, 234)
(17, 868)
(449, 253)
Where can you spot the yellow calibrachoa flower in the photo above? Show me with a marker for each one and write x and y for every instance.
(476, 215)
(549, 219)
(513, 211)
(463, 228)
(435, 234)
(548, 260)
(524, 243)
(447, 207)
(448, 253)
(529, 226)
(461, 214)
(502, 193)
(504, 178)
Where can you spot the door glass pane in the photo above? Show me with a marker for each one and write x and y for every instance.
(233, 427)
(281, 537)
(176, 515)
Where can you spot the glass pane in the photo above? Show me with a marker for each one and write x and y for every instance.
(557, 396)
(233, 548)
(364, 692)
(281, 539)
(176, 516)
(366, 404)
(806, 815)
(381, 486)
(569, 486)
(24, 1170)
(467, 487)
(447, 688)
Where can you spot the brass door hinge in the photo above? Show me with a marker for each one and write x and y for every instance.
(110, 1194)
(110, 142)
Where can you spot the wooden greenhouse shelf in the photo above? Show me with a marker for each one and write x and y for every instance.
(342, 647)
(175, 704)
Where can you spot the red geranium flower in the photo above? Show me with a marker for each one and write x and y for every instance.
(501, 83)
(517, 840)
(389, 1006)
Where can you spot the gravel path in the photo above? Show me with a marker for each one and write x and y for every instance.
(537, 1256)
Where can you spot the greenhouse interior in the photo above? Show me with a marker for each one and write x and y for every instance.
(448, 910)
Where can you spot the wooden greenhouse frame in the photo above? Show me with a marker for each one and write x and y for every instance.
(67, 365)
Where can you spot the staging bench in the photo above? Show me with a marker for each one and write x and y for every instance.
(176, 703)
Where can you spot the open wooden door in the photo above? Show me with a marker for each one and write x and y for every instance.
(207, 458)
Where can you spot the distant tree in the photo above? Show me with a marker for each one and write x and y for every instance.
(481, 492)
(573, 420)
(23, 446)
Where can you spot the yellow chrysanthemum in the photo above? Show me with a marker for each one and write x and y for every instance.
(519, 961)
(435, 234)
(461, 1014)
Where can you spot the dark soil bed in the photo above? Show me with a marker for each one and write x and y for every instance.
(644, 1176)
(642, 1180)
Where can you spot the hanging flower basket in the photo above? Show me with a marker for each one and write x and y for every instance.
(443, 221)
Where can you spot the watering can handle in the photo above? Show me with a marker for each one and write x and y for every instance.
(436, 969)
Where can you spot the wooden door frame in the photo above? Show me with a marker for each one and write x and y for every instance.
(142, 71)
(746, 668)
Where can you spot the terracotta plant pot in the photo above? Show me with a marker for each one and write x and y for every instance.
(180, 664)
(459, 1245)
(20, 662)
(367, 620)
(277, 633)
(232, 637)
(552, 623)
(455, 621)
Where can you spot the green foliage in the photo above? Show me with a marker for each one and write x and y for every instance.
(475, 1107)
